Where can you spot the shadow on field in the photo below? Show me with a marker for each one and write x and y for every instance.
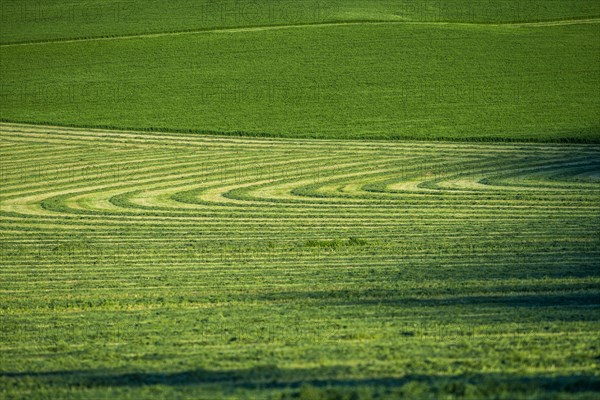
(272, 377)
(391, 298)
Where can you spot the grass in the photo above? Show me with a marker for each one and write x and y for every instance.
(299, 199)
(354, 79)
(57, 20)
(153, 265)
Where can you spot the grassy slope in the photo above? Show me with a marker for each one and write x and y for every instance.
(140, 265)
(361, 81)
(55, 19)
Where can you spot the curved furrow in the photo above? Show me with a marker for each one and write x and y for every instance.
(404, 198)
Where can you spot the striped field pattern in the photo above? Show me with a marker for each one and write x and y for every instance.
(214, 258)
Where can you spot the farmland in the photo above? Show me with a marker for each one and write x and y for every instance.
(148, 264)
(485, 79)
(300, 200)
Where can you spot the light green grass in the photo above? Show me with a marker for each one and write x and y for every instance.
(153, 265)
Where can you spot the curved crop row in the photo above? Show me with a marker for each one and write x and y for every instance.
(289, 251)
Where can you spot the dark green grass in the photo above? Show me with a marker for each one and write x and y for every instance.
(32, 20)
(362, 81)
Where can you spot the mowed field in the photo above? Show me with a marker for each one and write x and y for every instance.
(300, 200)
(164, 265)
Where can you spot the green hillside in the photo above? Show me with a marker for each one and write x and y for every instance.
(358, 79)
(56, 19)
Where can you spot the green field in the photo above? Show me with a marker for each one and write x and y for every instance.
(345, 74)
(261, 199)
(142, 264)
(59, 20)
